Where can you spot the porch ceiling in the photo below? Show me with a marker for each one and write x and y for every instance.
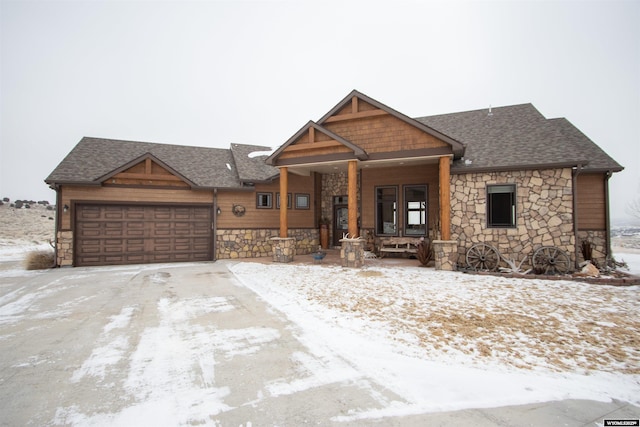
(341, 165)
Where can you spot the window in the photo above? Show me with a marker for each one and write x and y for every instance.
(264, 200)
(386, 210)
(501, 205)
(415, 205)
(278, 200)
(302, 201)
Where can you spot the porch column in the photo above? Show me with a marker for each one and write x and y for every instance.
(445, 199)
(284, 184)
(352, 203)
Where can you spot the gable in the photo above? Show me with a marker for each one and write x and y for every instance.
(362, 123)
(94, 160)
(379, 129)
(316, 143)
(147, 172)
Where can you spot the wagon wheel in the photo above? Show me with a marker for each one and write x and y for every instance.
(483, 257)
(551, 260)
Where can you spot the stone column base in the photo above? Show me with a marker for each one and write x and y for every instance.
(284, 248)
(352, 252)
(446, 254)
(64, 249)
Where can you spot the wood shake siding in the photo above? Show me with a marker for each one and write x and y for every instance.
(385, 133)
(591, 206)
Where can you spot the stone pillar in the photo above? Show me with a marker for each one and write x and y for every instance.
(284, 248)
(445, 254)
(352, 252)
(64, 249)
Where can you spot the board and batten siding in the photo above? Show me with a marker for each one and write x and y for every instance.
(591, 201)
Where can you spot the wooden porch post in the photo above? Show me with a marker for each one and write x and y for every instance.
(445, 199)
(284, 184)
(352, 203)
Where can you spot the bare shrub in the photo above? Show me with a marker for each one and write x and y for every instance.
(39, 260)
(424, 251)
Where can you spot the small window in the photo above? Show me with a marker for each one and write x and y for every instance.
(501, 205)
(264, 200)
(415, 205)
(302, 201)
(278, 201)
(387, 211)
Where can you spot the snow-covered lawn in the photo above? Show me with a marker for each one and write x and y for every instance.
(447, 341)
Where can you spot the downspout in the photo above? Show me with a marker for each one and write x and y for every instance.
(607, 220)
(56, 225)
(214, 225)
(574, 184)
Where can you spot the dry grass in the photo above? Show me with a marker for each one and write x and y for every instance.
(39, 260)
(529, 328)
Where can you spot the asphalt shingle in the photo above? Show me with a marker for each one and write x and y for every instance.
(93, 159)
(516, 137)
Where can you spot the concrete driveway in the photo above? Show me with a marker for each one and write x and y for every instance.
(186, 344)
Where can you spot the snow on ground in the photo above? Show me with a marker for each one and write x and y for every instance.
(447, 341)
(439, 340)
(631, 257)
(24, 230)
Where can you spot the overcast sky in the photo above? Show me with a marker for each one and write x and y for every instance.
(221, 72)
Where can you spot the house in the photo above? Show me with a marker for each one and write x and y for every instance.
(505, 177)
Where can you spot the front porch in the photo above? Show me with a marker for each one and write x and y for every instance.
(395, 174)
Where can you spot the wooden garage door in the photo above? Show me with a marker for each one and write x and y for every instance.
(130, 234)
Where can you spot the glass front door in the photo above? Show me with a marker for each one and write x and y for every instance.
(340, 219)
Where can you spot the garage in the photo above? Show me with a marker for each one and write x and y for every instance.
(112, 234)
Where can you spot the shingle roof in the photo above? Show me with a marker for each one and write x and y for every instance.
(250, 161)
(516, 137)
(93, 159)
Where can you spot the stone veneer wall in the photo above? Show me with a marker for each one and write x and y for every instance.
(64, 253)
(251, 243)
(334, 184)
(544, 213)
(598, 240)
(231, 244)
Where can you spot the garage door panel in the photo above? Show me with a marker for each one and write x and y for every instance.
(120, 234)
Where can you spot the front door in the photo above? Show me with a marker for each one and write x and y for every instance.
(340, 222)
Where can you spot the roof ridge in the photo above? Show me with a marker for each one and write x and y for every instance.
(501, 107)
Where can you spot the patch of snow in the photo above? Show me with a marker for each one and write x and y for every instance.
(517, 341)
(260, 153)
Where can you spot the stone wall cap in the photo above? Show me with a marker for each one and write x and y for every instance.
(445, 241)
(282, 238)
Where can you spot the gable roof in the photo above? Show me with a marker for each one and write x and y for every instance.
(139, 160)
(456, 146)
(358, 152)
(93, 160)
(518, 137)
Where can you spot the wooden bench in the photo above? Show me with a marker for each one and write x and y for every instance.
(398, 245)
